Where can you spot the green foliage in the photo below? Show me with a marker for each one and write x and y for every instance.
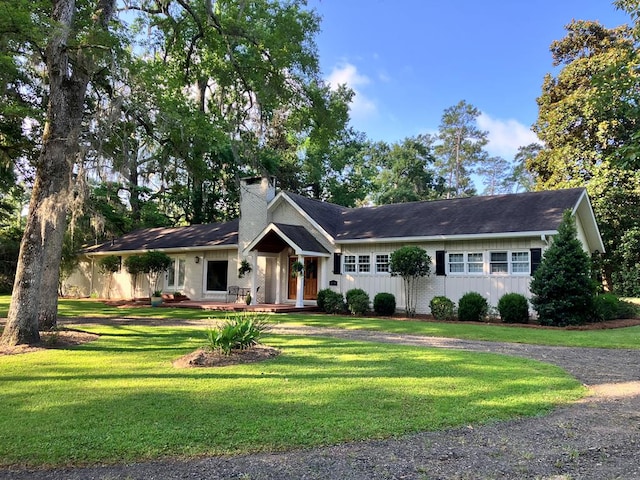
(384, 304)
(411, 263)
(134, 264)
(357, 301)
(626, 277)
(330, 301)
(513, 308)
(472, 307)
(10, 237)
(442, 308)
(562, 287)
(238, 333)
(109, 264)
(608, 306)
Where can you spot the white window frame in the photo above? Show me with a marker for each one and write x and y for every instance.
(458, 256)
(510, 254)
(176, 262)
(362, 264)
(469, 263)
(382, 265)
(349, 264)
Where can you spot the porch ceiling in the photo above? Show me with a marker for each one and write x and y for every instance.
(279, 236)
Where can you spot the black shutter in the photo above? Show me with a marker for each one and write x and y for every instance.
(536, 257)
(337, 263)
(440, 263)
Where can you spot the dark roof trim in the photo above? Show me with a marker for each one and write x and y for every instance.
(278, 236)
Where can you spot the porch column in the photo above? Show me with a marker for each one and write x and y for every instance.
(300, 285)
(254, 278)
(278, 279)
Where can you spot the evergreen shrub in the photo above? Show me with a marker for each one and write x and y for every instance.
(442, 308)
(472, 307)
(384, 303)
(513, 308)
(357, 301)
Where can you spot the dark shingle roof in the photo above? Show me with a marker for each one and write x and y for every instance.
(210, 235)
(525, 212)
(327, 215)
(301, 237)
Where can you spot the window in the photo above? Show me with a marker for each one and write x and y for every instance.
(520, 262)
(217, 275)
(364, 263)
(382, 263)
(176, 273)
(456, 263)
(475, 262)
(499, 262)
(349, 264)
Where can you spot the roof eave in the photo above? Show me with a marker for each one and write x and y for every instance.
(166, 250)
(436, 238)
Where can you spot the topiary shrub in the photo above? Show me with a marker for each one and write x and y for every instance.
(384, 304)
(442, 308)
(514, 308)
(357, 301)
(472, 307)
(332, 302)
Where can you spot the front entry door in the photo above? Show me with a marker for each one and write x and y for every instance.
(310, 279)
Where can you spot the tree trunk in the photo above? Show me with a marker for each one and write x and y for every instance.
(35, 291)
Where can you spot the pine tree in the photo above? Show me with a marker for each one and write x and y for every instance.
(562, 287)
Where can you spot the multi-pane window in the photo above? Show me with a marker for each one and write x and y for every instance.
(364, 263)
(349, 263)
(382, 263)
(475, 263)
(499, 262)
(520, 262)
(176, 273)
(456, 263)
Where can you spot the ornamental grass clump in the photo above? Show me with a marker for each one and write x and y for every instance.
(238, 333)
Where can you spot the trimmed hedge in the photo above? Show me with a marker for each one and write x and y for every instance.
(384, 304)
(514, 308)
(357, 301)
(442, 308)
(472, 307)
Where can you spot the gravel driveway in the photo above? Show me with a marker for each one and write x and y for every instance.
(597, 438)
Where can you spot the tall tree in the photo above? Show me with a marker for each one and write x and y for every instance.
(495, 173)
(70, 55)
(461, 147)
(587, 116)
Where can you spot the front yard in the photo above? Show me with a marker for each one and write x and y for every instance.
(119, 398)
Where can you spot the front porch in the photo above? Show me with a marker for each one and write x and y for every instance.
(241, 307)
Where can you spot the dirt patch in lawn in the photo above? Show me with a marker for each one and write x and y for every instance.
(208, 358)
(51, 340)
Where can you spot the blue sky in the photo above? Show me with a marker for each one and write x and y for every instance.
(408, 60)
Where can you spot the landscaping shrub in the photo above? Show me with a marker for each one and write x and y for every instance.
(241, 332)
(608, 306)
(357, 301)
(472, 307)
(320, 299)
(384, 304)
(562, 287)
(442, 308)
(514, 308)
(332, 302)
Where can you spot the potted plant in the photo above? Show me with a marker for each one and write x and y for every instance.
(297, 268)
(156, 298)
(245, 267)
(247, 299)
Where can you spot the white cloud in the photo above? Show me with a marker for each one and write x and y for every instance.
(346, 73)
(505, 136)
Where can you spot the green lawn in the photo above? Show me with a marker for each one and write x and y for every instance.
(119, 398)
(612, 338)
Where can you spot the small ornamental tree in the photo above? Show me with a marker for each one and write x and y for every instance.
(562, 287)
(154, 263)
(108, 266)
(411, 263)
(135, 266)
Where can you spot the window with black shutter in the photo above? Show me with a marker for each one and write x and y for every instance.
(440, 262)
(536, 258)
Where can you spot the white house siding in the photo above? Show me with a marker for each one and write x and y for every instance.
(453, 286)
